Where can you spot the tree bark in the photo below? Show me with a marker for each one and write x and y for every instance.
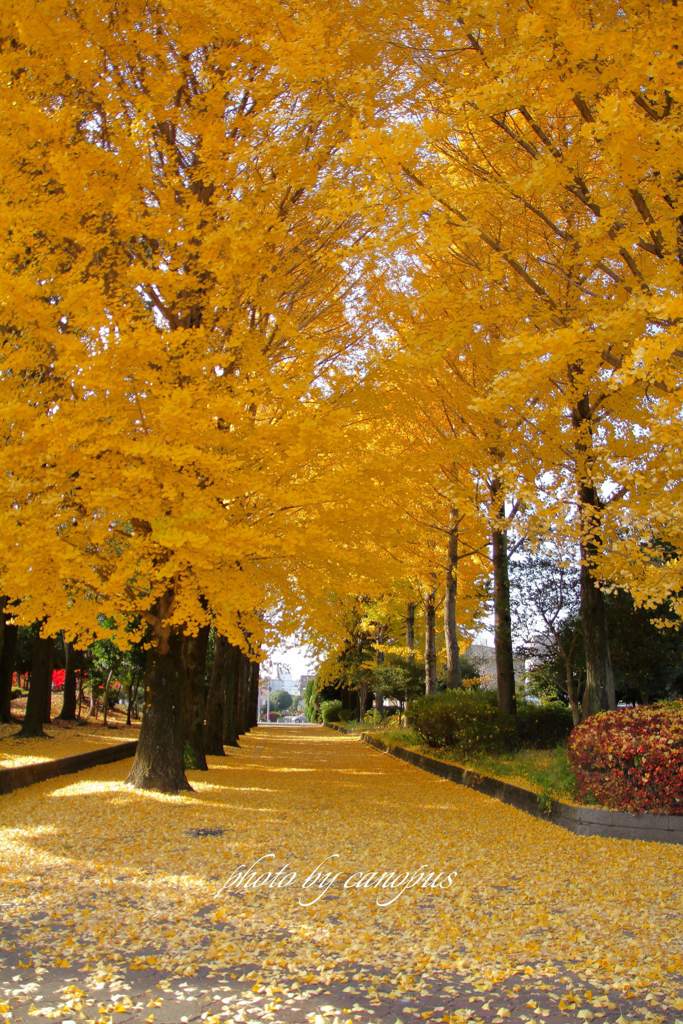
(8, 647)
(194, 664)
(453, 671)
(410, 629)
(430, 642)
(362, 699)
(254, 676)
(600, 693)
(159, 762)
(379, 696)
(505, 668)
(231, 728)
(68, 712)
(40, 687)
(243, 694)
(215, 699)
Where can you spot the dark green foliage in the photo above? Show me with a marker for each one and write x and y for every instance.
(542, 726)
(397, 677)
(330, 711)
(468, 721)
(647, 661)
(280, 700)
(311, 706)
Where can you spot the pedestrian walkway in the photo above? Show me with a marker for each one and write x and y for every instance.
(431, 902)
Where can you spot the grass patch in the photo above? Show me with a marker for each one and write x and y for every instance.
(545, 772)
(548, 772)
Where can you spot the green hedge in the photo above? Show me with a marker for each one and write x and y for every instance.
(470, 722)
(543, 725)
(330, 711)
(467, 720)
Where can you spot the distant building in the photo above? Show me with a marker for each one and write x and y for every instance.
(303, 683)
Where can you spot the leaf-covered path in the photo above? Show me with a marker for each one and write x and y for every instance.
(115, 903)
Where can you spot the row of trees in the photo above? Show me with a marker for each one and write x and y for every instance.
(384, 652)
(215, 699)
(345, 301)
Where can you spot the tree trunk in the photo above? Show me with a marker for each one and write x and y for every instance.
(194, 664)
(243, 694)
(505, 668)
(362, 699)
(254, 675)
(8, 649)
(453, 671)
(40, 688)
(215, 699)
(600, 692)
(410, 629)
(68, 712)
(430, 642)
(159, 763)
(81, 695)
(231, 728)
(379, 696)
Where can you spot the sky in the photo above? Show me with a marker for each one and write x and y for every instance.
(300, 660)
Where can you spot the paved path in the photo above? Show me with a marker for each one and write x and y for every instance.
(124, 906)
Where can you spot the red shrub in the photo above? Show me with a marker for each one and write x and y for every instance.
(631, 759)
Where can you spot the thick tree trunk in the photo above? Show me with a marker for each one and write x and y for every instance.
(430, 642)
(231, 729)
(194, 665)
(81, 695)
(362, 699)
(410, 629)
(68, 712)
(243, 693)
(254, 675)
(450, 618)
(40, 687)
(215, 699)
(159, 760)
(8, 647)
(379, 696)
(505, 668)
(600, 692)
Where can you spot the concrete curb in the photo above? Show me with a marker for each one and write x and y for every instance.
(27, 775)
(583, 821)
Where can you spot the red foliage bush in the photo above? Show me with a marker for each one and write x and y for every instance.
(631, 759)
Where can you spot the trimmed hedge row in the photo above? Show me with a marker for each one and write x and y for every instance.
(631, 759)
(330, 711)
(470, 721)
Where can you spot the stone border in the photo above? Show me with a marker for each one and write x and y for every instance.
(28, 774)
(583, 821)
